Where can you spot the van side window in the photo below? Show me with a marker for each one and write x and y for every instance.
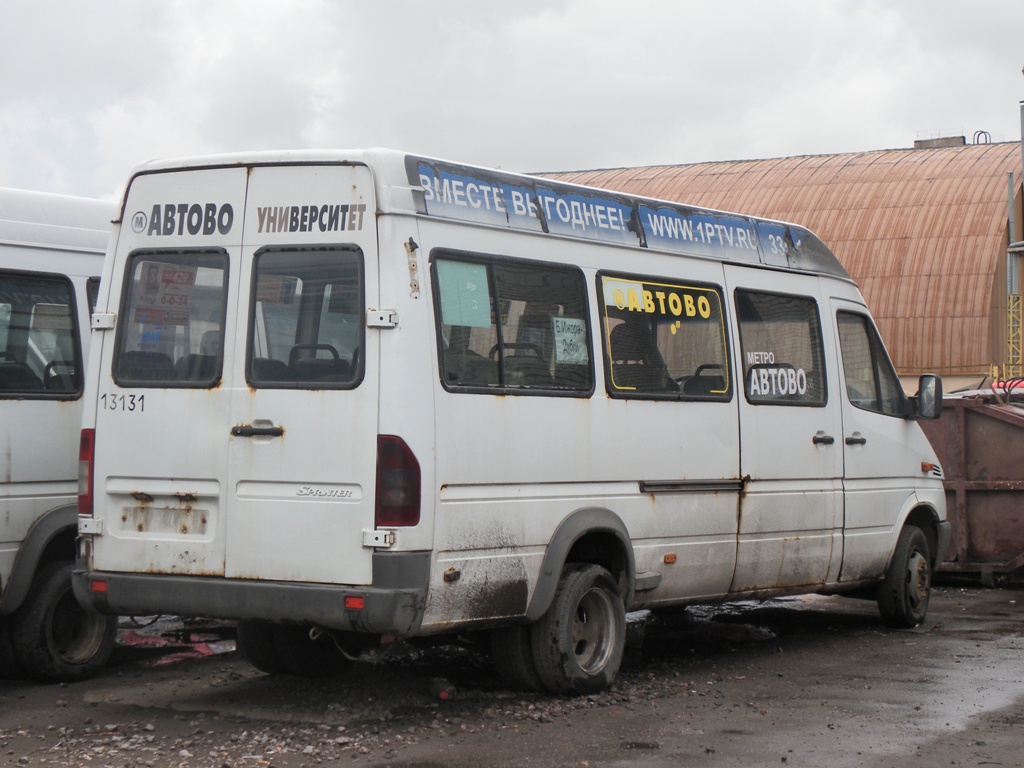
(783, 357)
(664, 339)
(515, 327)
(306, 320)
(171, 325)
(39, 348)
(870, 379)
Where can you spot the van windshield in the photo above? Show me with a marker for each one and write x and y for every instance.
(172, 327)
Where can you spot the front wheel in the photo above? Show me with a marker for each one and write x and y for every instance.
(904, 592)
(53, 637)
(578, 644)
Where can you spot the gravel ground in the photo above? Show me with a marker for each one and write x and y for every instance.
(782, 682)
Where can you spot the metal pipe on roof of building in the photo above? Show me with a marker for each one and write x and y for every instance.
(1011, 257)
(1018, 247)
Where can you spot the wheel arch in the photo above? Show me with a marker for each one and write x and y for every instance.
(591, 535)
(926, 517)
(51, 538)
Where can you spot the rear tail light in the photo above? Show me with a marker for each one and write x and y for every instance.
(398, 483)
(86, 448)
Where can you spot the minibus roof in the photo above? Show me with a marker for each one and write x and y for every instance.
(409, 183)
(62, 222)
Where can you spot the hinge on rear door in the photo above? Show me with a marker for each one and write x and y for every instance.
(379, 539)
(381, 318)
(102, 321)
(87, 525)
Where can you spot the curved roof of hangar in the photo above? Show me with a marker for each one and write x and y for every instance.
(922, 231)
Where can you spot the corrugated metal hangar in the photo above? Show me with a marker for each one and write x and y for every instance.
(924, 231)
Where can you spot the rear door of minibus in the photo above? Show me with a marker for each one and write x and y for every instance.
(303, 426)
(236, 421)
(164, 385)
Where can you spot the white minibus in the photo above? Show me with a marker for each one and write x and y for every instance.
(346, 396)
(51, 254)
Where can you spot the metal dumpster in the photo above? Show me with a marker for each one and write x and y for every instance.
(980, 442)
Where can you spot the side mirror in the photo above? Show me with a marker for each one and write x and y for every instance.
(929, 397)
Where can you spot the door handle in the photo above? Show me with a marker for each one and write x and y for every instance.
(820, 438)
(856, 439)
(246, 430)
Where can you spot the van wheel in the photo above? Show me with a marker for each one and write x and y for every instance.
(904, 592)
(307, 657)
(512, 651)
(53, 636)
(10, 667)
(255, 641)
(578, 644)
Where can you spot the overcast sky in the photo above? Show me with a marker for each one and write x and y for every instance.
(90, 89)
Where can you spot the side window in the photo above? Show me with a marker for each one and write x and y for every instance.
(306, 323)
(512, 326)
(664, 339)
(171, 327)
(870, 380)
(783, 357)
(39, 341)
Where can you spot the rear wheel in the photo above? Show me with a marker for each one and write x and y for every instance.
(255, 641)
(904, 592)
(10, 667)
(55, 638)
(578, 644)
(512, 651)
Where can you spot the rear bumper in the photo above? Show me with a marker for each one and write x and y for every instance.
(393, 606)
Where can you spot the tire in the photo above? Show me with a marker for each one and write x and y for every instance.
(54, 637)
(512, 651)
(10, 667)
(303, 656)
(904, 592)
(255, 641)
(578, 644)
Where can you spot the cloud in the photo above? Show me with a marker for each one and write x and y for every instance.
(525, 86)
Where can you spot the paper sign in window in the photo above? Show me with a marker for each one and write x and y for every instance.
(465, 294)
(570, 340)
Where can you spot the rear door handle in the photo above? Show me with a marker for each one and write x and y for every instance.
(246, 430)
(820, 438)
(856, 439)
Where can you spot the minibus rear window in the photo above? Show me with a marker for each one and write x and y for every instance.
(171, 325)
(306, 322)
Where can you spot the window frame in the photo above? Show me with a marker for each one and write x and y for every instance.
(881, 364)
(250, 309)
(680, 283)
(490, 261)
(76, 339)
(819, 339)
(127, 286)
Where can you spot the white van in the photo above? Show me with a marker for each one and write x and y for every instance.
(344, 395)
(51, 254)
